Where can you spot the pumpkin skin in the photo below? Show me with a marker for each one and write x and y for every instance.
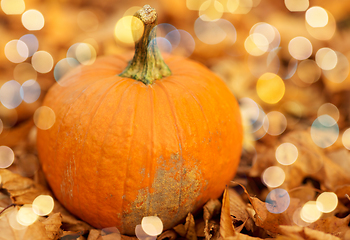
(121, 150)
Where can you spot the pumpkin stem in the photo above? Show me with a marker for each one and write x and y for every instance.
(148, 64)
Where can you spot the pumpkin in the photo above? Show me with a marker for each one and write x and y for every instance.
(161, 137)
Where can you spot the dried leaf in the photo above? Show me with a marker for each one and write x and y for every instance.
(238, 211)
(188, 230)
(168, 234)
(296, 232)
(11, 230)
(52, 225)
(94, 234)
(210, 209)
(332, 225)
(22, 190)
(227, 230)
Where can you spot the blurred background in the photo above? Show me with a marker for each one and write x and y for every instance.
(287, 62)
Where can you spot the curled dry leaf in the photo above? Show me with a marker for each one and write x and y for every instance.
(210, 209)
(296, 232)
(227, 230)
(188, 229)
(168, 234)
(10, 229)
(52, 225)
(22, 190)
(238, 210)
(332, 225)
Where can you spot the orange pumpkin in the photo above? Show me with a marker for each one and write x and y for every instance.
(122, 149)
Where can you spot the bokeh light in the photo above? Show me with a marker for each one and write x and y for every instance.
(185, 42)
(23, 72)
(163, 44)
(291, 69)
(13, 221)
(296, 5)
(211, 10)
(10, 95)
(240, 6)
(44, 118)
(270, 88)
(300, 48)
(273, 176)
(30, 91)
(16, 51)
(26, 216)
(256, 44)
(298, 220)
(324, 131)
(152, 225)
(32, 43)
(33, 20)
(128, 30)
(43, 205)
(12, 7)
(269, 32)
(328, 109)
(7, 156)
(286, 153)
(326, 58)
(322, 33)
(275, 123)
(340, 72)
(277, 201)
(346, 138)
(309, 212)
(327, 202)
(142, 235)
(308, 71)
(42, 62)
(84, 53)
(214, 32)
(316, 17)
(249, 109)
(64, 66)
(87, 21)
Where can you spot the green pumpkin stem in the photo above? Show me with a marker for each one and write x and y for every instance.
(148, 64)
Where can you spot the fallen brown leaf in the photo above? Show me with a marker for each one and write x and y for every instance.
(11, 230)
(210, 209)
(296, 232)
(52, 225)
(227, 230)
(188, 229)
(238, 210)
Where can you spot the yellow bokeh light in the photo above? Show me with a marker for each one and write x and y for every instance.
(44, 118)
(326, 58)
(346, 138)
(1, 126)
(296, 5)
(152, 225)
(273, 176)
(326, 202)
(129, 29)
(194, 4)
(276, 123)
(309, 212)
(16, 51)
(286, 153)
(43, 205)
(316, 17)
(340, 72)
(87, 21)
(323, 33)
(211, 10)
(300, 48)
(239, 6)
(42, 61)
(329, 109)
(26, 216)
(256, 44)
(33, 20)
(85, 54)
(308, 71)
(270, 88)
(24, 71)
(7, 156)
(13, 222)
(12, 7)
